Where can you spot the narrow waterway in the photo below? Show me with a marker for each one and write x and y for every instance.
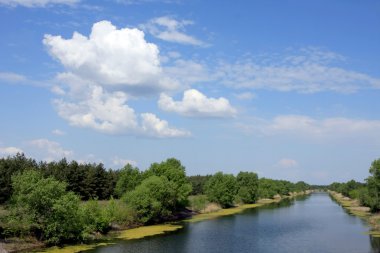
(309, 224)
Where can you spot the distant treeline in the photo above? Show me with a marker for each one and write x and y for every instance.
(367, 193)
(44, 199)
(89, 181)
(94, 181)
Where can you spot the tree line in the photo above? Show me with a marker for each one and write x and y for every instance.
(46, 199)
(367, 193)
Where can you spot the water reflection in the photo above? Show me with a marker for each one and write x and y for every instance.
(307, 224)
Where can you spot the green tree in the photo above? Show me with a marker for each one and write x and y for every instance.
(373, 184)
(222, 188)
(175, 173)
(51, 212)
(198, 183)
(153, 199)
(248, 184)
(267, 188)
(129, 178)
(10, 166)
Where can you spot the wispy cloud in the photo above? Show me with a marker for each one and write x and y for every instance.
(48, 150)
(12, 77)
(9, 151)
(307, 127)
(172, 30)
(308, 70)
(287, 163)
(37, 3)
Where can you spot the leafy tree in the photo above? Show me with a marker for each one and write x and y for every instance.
(248, 183)
(301, 186)
(175, 173)
(129, 178)
(267, 188)
(373, 184)
(198, 183)
(222, 188)
(95, 218)
(51, 212)
(8, 167)
(153, 199)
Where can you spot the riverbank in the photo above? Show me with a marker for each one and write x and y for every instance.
(354, 208)
(14, 245)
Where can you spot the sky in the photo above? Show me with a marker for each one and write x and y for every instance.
(288, 89)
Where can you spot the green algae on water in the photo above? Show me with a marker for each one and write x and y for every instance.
(141, 232)
(72, 248)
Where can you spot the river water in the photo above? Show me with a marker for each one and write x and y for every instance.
(313, 223)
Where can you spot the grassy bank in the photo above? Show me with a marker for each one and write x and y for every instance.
(354, 208)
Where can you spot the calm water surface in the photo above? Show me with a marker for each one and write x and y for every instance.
(310, 224)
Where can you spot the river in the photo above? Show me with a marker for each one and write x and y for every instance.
(313, 223)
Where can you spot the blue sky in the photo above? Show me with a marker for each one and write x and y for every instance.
(288, 89)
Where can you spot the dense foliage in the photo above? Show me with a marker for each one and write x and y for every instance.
(175, 173)
(198, 183)
(222, 188)
(45, 207)
(129, 178)
(367, 193)
(89, 181)
(248, 183)
(153, 199)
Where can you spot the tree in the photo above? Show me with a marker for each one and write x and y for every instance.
(52, 213)
(267, 188)
(222, 188)
(175, 173)
(10, 166)
(153, 199)
(198, 183)
(248, 183)
(129, 178)
(373, 184)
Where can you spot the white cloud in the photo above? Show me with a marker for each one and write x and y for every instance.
(169, 29)
(37, 3)
(153, 126)
(110, 57)
(307, 71)
(48, 150)
(58, 132)
(12, 77)
(9, 151)
(107, 113)
(196, 104)
(101, 70)
(287, 163)
(116, 161)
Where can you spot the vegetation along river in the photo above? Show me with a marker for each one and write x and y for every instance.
(313, 223)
